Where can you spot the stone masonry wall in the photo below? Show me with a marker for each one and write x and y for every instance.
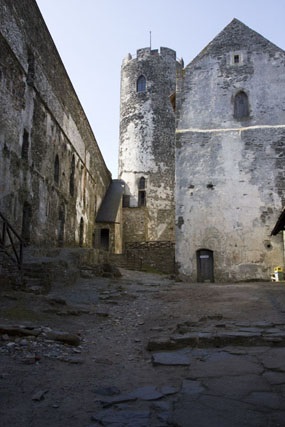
(230, 170)
(52, 174)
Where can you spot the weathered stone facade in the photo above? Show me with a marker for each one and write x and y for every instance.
(229, 168)
(230, 158)
(52, 174)
(147, 135)
(203, 143)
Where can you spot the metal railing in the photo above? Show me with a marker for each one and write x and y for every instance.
(10, 242)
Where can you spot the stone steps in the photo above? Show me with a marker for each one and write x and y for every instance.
(231, 334)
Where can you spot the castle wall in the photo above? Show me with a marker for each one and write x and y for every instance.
(229, 170)
(52, 174)
(147, 134)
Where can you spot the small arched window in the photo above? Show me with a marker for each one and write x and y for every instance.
(56, 169)
(141, 84)
(142, 183)
(241, 106)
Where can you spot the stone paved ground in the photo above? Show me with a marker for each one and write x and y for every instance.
(143, 350)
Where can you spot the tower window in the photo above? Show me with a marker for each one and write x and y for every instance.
(142, 192)
(241, 106)
(141, 84)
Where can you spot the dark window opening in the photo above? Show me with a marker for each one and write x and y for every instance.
(71, 178)
(142, 183)
(236, 59)
(241, 107)
(31, 69)
(141, 84)
(142, 198)
(126, 201)
(56, 169)
(61, 222)
(26, 223)
(25, 145)
(142, 193)
(81, 232)
(104, 239)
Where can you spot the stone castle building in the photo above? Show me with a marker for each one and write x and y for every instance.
(218, 126)
(201, 173)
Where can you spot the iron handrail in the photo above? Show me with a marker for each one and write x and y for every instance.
(10, 239)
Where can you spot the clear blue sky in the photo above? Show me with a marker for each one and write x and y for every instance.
(93, 37)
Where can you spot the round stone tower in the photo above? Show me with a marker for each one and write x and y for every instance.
(147, 141)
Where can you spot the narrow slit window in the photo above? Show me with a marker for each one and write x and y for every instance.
(56, 169)
(72, 176)
(25, 145)
(142, 192)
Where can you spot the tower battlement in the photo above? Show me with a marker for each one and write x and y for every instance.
(145, 52)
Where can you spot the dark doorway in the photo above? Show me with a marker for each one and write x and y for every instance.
(104, 239)
(205, 265)
(26, 223)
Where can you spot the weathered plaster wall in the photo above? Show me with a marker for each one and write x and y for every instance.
(147, 134)
(229, 172)
(39, 106)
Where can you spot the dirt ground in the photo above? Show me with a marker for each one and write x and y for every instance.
(48, 378)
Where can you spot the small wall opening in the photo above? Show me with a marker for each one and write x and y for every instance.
(142, 192)
(56, 169)
(104, 238)
(25, 145)
(61, 224)
(72, 176)
(81, 232)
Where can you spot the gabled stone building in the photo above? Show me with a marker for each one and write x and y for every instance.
(229, 134)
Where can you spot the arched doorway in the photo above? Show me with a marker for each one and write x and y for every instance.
(205, 265)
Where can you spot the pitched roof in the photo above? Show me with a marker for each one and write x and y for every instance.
(111, 202)
(236, 36)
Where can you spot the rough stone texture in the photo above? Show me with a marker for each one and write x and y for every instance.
(147, 131)
(156, 255)
(229, 171)
(52, 174)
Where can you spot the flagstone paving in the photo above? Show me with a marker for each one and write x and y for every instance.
(143, 351)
